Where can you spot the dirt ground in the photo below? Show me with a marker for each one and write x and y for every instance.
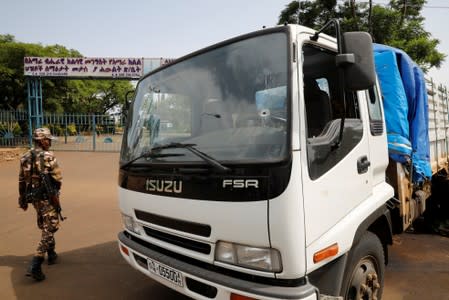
(10, 154)
(90, 263)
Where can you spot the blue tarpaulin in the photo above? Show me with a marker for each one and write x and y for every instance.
(406, 112)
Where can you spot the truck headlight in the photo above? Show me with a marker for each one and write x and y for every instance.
(130, 224)
(263, 259)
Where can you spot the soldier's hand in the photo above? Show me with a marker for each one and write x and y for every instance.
(54, 200)
(23, 205)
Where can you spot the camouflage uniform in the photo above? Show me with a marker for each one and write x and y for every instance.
(47, 216)
(34, 163)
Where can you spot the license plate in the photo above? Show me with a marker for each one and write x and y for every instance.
(165, 272)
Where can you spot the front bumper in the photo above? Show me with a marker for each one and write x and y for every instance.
(202, 283)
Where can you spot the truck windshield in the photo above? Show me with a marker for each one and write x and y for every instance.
(231, 102)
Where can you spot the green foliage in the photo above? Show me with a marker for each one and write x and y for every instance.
(55, 129)
(71, 129)
(313, 14)
(398, 24)
(59, 95)
(87, 96)
(10, 129)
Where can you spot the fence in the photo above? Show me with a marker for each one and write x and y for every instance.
(12, 126)
(74, 132)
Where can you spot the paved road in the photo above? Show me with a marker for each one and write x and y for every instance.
(92, 268)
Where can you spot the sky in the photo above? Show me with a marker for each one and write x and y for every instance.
(163, 28)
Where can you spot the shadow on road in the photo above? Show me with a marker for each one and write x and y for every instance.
(97, 272)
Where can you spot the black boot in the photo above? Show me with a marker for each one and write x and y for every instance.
(52, 257)
(35, 270)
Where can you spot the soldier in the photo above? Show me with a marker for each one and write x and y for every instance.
(37, 161)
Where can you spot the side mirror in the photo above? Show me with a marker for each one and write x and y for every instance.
(357, 60)
(126, 104)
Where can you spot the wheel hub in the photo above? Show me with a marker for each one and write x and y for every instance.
(365, 283)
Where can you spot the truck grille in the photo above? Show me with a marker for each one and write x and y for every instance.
(180, 225)
(178, 241)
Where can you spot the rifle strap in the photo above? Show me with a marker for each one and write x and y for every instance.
(33, 160)
(42, 165)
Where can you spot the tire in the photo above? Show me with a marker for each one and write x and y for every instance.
(364, 273)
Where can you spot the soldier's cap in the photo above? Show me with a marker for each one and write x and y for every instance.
(42, 133)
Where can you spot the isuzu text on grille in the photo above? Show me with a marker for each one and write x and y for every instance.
(163, 186)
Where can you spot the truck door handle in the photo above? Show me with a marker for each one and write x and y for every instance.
(363, 164)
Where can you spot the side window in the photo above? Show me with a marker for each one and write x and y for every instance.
(325, 109)
(375, 112)
(318, 105)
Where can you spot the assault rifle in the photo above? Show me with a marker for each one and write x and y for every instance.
(52, 192)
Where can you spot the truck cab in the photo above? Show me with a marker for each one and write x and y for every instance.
(269, 182)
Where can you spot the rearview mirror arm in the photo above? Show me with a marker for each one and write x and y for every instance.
(341, 81)
(336, 24)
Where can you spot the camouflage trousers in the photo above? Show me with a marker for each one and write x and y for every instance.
(48, 222)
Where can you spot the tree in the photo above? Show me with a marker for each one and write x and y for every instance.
(309, 13)
(399, 24)
(12, 80)
(59, 94)
(99, 96)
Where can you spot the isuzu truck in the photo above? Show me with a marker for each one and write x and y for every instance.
(278, 165)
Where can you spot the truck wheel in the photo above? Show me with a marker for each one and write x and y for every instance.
(364, 273)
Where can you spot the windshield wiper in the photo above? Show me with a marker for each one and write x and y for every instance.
(148, 154)
(211, 161)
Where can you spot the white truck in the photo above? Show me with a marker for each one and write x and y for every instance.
(275, 179)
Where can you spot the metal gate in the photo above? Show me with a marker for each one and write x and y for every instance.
(74, 132)
(92, 132)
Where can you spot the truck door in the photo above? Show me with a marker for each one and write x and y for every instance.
(337, 176)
